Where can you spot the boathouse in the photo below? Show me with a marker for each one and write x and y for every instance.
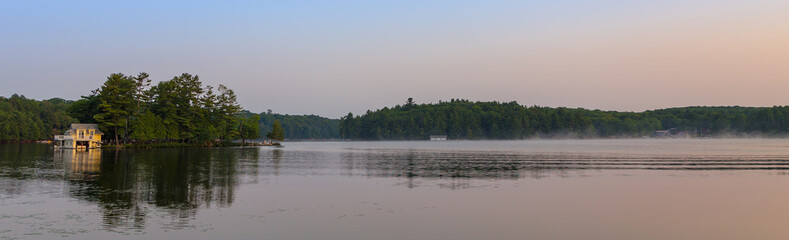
(80, 136)
(438, 137)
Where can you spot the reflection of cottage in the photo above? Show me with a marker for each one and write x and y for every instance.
(82, 165)
(80, 136)
(438, 137)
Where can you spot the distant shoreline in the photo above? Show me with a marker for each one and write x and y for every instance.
(149, 145)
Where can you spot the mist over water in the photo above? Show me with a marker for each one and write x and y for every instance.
(533, 189)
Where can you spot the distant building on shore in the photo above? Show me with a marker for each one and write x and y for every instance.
(668, 133)
(438, 137)
(662, 133)
(676, 133)
(80, 136)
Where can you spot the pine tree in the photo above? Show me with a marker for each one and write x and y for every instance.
(277, 133)
(251, 128)
(117, 103)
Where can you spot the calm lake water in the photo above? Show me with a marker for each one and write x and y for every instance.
(535, 189)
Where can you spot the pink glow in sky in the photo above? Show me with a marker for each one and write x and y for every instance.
(331, 59)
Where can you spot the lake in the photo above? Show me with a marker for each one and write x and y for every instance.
(531, 189)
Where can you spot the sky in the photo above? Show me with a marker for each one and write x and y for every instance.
(333, 57)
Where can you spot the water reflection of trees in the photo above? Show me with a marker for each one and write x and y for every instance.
(21, 162)
(129, 184)
(465, 165)
(414, 166)
(456, 170)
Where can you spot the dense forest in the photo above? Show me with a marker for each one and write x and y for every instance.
(463, 119)
(182, 109)
(298, 127)
(131, 109)
(301, 126)
(27, 119)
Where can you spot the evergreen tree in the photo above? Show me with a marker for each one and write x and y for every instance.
(141, 84)
(86, 108)
(250, 128)
(117, 103)
(148, 126)
(276, 132)
(227, 108)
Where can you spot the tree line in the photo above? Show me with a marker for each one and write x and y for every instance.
(27, 119)
(129, 108)
(463, 119)
(183, 110)
(300, 126)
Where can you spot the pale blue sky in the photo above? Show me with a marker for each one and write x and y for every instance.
(334, 57)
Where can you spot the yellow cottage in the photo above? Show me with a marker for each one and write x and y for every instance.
(80, 136)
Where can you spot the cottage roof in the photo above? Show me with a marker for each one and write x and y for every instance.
(86, 126)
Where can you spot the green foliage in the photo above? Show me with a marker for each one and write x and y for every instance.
(191, 112)
(177, 110)
(148, 126)
(117, 104)
(301, 126)
(180, 109)
(462, 119)
(277, 133)
(251, 127)
(141, 83)
(225, 111)
(27, 119)
(84, 109)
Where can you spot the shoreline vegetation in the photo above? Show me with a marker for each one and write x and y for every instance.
(130, 110)
(461, 119)
(183, 112)
(188, 145)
